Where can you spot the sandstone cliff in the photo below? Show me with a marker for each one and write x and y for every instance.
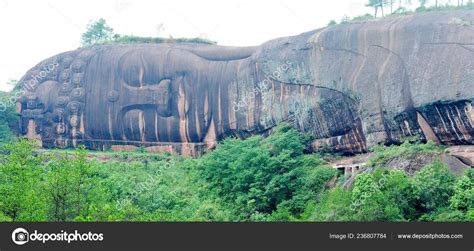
(351, 86)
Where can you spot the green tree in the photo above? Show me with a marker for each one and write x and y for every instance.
(97, 32)
(433, 186)
(314, 178)
(397, 188)
(463, 198)
(332, 23)
(22, 196)
(377, 4)
(73, 187)
(391, 2)
(369, 203)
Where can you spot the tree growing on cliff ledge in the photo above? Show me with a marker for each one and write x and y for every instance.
(376, 4)
(97, 32)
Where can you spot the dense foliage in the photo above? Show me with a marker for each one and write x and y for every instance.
(8, 118)
(433, 194)
(257, 179)
(257, 176)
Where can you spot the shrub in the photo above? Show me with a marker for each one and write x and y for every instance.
(382, 153)
(463, 198)
(433, 186)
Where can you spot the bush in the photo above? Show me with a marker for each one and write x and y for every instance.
(332, 23)
(463, 198)
(433, 187)
(362, 18)
(382, 153)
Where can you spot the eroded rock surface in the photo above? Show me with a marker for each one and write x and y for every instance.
(350, 86)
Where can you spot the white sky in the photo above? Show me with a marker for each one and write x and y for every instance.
(33, 30)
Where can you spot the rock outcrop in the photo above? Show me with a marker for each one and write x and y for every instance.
(351, 86)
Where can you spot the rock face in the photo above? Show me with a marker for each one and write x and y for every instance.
(350, 86)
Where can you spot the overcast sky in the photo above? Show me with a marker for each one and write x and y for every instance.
(33, 30)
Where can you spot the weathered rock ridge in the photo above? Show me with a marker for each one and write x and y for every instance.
(350, 86)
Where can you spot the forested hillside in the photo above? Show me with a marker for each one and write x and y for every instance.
(257, 179)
